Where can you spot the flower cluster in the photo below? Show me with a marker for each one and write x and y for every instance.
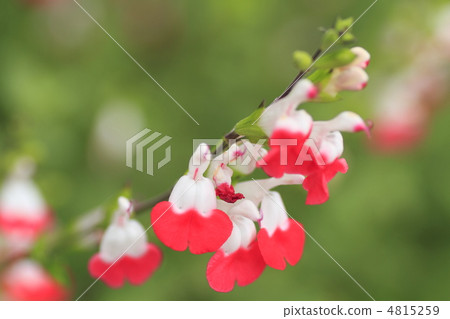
(245, 223)
(221, 205)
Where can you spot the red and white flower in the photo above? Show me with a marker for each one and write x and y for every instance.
(314, 152)
(242, 258)
(26, 280)
(24, 215)
(190, 218)
(239, 259)
(280, 238)
(286, 142)
(302, 91)
(124, 253)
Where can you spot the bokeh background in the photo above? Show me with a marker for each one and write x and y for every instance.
(70, 98)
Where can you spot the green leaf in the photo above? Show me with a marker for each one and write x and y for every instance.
(249, 128)
(343, 24)
(302, 59)
(329, 38)
(348, 37)
(335, 59)
(319, 76)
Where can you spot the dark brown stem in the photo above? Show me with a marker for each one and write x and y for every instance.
(299, 76)
(146, 205)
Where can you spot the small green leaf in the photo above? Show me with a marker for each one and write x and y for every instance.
(249, 128)
(319, 76)
(335, 59)
(329, 38)
(343, 24)
(302, 59)
(348, 37)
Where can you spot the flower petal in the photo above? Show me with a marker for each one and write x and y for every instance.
(243, 266)
(139, 269)
(282, 244)
(113, 276)
(202, 233)
(316, 183)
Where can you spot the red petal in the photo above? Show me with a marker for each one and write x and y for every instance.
(11, 222)
(317, 189)
(138, 270)
(283, 244)
(190, 228)
(316, 183)
(113, 277)
(272, 163)
(243, 266)
(46, 290)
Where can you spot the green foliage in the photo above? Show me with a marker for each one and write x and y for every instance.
(330, 37)
(249, 128)
(302, 59)
(343, 24)
(336, 58)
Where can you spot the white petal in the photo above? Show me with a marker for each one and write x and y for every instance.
(332, 147)
(246, 156)
(352, 79)
(273, 212)
(245, 208)
(199, 161)
(362, 57)
(243, 233)
(300, 93)
(188, 194)
(255, 190)
(22, 198)
(297, 122)
(346, 122)
(126, 239)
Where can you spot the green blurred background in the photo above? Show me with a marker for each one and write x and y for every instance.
(70, 97)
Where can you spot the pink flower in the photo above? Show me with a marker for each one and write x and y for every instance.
(351, 77)
(280, 238)
(26, 280)
(124, 252)
(190, 217)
